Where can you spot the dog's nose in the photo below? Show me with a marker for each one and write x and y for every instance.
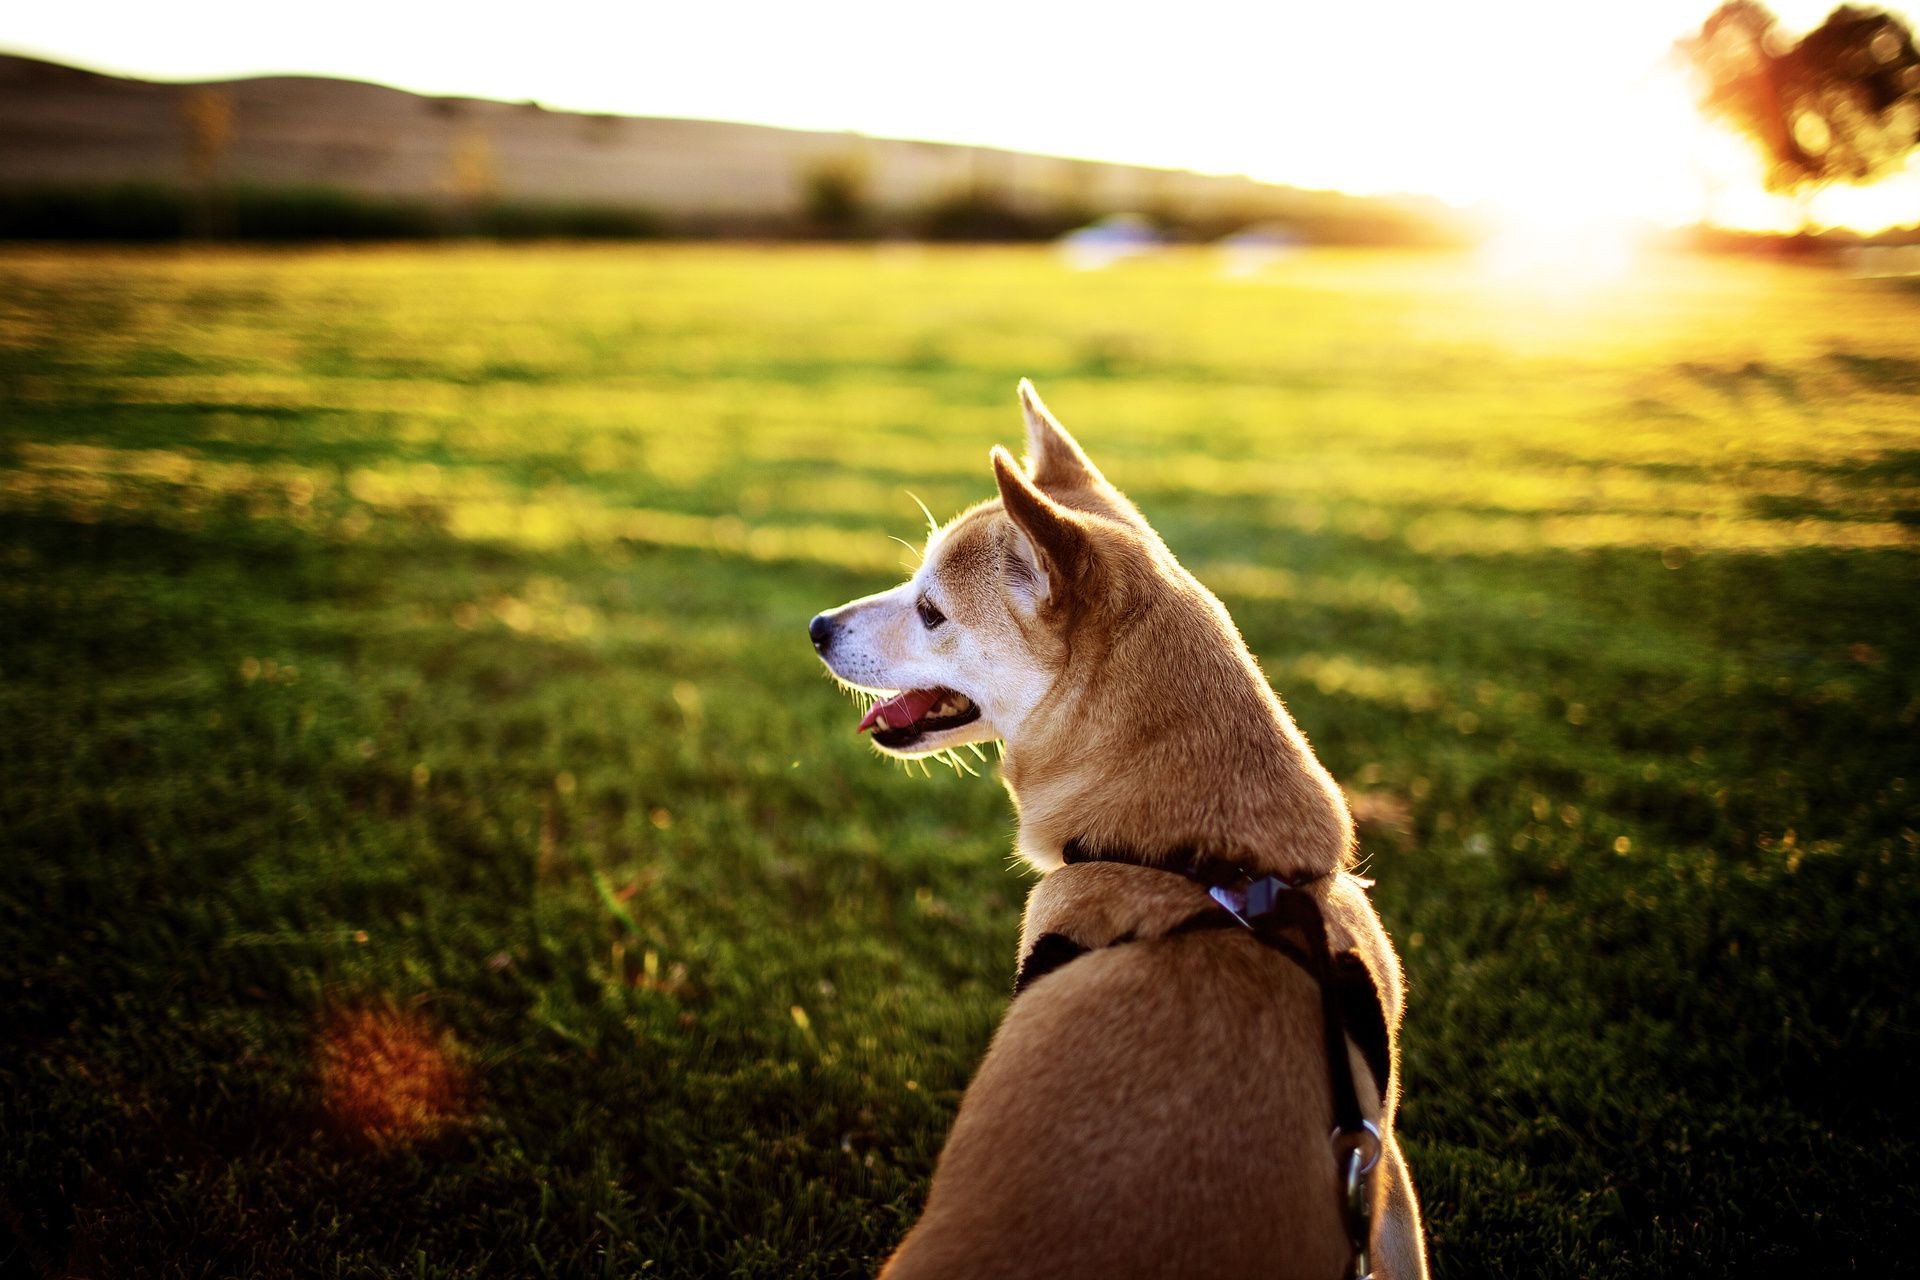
(820, 631)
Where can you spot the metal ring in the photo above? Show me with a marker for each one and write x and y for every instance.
(1366, 1138)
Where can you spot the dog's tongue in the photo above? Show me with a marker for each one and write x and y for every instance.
(901, 710)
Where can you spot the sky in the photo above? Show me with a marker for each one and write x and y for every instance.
(1553, 113)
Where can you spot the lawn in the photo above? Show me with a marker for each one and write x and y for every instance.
(431, 846)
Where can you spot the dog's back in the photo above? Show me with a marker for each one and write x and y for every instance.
(1154, 1108)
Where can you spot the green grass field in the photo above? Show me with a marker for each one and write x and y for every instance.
(431, 847)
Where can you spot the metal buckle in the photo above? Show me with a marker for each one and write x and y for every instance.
(1355, 1154)
(1348, 1141)
(1255, 899)
(1234, 902)
(1263, 895)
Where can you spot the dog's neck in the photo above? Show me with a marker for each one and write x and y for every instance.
(1204, 760)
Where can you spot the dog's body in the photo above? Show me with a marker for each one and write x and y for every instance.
(1160, 1105)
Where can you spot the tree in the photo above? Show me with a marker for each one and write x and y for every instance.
(208, 113)
(834, 192)
(1841, 105)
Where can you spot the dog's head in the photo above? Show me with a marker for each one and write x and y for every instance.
(977, 641)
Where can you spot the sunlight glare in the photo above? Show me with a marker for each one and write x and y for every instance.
(1552, 254)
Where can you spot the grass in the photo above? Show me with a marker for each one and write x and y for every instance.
(431, 848)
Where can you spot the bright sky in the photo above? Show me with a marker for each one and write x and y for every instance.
(1553, 113)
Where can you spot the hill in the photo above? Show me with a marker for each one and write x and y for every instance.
(72, 130)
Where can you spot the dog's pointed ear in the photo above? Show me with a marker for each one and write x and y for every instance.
(1061, 551)
(1053, 458)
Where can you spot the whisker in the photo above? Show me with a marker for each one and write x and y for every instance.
(932, 524)
(952, 757)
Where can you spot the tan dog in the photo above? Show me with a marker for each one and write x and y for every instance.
(1159, 1106)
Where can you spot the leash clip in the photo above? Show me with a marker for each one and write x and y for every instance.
(1356, 1152)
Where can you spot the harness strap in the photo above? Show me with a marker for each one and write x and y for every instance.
(1286, 908)
(1188, 863)
(1364, 1016)
(1349, 980)
(1350, 1002)
(1049, 952)
(1284, 917)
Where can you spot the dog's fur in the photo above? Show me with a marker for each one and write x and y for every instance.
(1162, 1107)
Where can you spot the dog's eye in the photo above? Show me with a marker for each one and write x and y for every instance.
(930, 617)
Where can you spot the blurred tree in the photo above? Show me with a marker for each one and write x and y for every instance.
(472, 173)
(835, 189)
(208, 113)
(1842, 105)
(473, 178)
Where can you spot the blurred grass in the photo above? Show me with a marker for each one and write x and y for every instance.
(404, 705)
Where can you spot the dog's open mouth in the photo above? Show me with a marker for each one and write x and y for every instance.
(905, 718)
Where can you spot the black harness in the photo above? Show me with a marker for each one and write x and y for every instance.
(1278, 913)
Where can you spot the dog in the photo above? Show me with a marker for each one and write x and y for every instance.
(1158, 1099)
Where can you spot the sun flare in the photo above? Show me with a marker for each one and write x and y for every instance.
(1550, 254)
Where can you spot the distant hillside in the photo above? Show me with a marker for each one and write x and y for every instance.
(68, 130)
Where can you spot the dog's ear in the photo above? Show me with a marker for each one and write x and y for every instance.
(1053, 458)
(1058, 553)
